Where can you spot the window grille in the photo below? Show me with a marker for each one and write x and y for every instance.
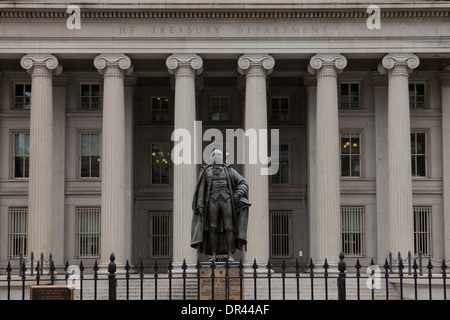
(352, 231)
(281, 234)
(18, 228)
(88, 232)
(422, 231)
(160, 226)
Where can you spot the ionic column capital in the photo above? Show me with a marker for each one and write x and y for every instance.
(327, 64)
(184, 64)
(41, 64)
(398, 64)
(113, 65)
(256, 64)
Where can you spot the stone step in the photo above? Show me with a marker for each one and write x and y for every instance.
(262, 289)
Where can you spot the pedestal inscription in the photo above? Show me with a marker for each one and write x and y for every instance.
(225, 288)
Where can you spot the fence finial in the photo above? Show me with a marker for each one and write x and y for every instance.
(342, 266)
(112, 264)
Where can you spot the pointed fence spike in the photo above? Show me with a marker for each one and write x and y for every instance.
(326, 265)
(443, 266)
(358, 264)
(66, 266)
(8, 267)
(386, 264)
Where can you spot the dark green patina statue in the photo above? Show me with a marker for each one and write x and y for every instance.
(220, 206)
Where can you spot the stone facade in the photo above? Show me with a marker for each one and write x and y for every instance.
(301, 50)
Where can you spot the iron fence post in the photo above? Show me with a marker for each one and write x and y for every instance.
(341, 279)
(112, 277)
(8, 278)
(31, 263)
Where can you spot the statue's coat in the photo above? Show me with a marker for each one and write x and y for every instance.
(200, 222)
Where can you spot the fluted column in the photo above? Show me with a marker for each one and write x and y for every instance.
(327, 187)
(256, 68)
(40, 190)
(445, 92)
(398, 67)
(113, 219)
(184, 68)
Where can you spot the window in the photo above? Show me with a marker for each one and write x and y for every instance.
(281, 234)
(349, 96)
(350, 154)
(90, 155)
(90, 95)
(22, 95)
(417, 95)
(88, 232)
(352, 231)
(21, 155)
(279, 107)
(422, 230)
(220, 108)
(160, 163)
(160, 108)
(418, 154)
(282, 175)
(160, 227)
(18, 226)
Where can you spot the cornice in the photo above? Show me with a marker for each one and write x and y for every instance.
(220, 14)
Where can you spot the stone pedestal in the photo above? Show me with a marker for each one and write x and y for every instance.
(113, 217)
(398, 67)
(40, 192)
(184, 68)
(328, 175)
(255, 68)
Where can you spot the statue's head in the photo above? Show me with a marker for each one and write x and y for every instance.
(217, 156)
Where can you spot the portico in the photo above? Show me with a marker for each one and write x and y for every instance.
(162, 70)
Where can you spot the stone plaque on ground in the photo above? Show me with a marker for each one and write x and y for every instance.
(51, 293)
(224, 288)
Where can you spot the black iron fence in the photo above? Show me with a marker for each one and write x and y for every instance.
(396, 279)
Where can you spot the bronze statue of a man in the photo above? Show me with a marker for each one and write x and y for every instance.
(220, 206)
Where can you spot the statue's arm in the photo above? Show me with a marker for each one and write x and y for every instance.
(200, 205)
(241, 185)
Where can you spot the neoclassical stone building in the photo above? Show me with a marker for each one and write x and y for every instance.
(361, 102)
